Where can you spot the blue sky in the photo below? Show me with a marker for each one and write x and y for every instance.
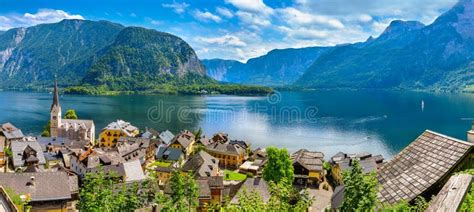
(235, 29)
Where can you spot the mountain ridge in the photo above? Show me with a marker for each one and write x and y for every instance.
(424, 57)
(277, 67)
(94, 52)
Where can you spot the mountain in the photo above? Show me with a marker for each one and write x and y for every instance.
(93, 52)
(142, 55)
(407, 55)
(277, 67)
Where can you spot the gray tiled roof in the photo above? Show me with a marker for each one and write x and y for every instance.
(47, 186)
(420, 165)
(185, 138)
(133, 171)
(202, 164)
(226, 148)
(122, 125)
(368, 162)
(169, 153)
(19, 146)
(313, 161)
(254, 184)
(166, 136)
(11, 132)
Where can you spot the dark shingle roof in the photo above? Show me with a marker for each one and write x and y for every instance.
(313, 161)
(47, 186)
(226, 148)
(254, 184)
(202, 164)
(420, 165)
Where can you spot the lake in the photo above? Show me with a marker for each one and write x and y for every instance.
(329, 121)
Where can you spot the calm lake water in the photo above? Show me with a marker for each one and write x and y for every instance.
(328, 121)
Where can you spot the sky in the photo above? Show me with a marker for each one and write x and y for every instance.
(235, 29)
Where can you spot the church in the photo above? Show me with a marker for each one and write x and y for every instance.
(73, 129)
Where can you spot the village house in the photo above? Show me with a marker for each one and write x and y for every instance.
(220, 138)
(163, 174)
(184, 141)
(73, 129)
(165, 153)
(110, 135)
(210, 191)
(202, 164)
(308, 167)
(46, 191)
(10, 133)
(27, 153)
(109, 162)
(341, 162)
(230, 156)
(203, 140)
(143, 149)
(255, 167)
(423, 167)
(150, 133)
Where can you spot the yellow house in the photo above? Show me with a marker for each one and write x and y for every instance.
(110, 135)
(184, 141)
(229, 155)
(308, 167)
(163, 174)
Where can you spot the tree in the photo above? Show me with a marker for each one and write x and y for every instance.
(360, 190)
(198, 133)
(46, 130)
(184, 193)
(102, 192)
(279, 166)
(70, 114)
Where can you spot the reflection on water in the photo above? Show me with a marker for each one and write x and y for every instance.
(328, 121)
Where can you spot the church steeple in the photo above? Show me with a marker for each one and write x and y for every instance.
(55, 118)
(56, 95)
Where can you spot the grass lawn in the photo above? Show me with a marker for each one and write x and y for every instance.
(231, 175)
(160, 164)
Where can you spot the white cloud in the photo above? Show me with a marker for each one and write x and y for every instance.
(224, 12)
(30, 19)
(179, 8)
(254, 6)
(303, 33)
(365, 18)
(133, 15)
(226, 40)
(253, 19)
(206, 16)
(295, 16)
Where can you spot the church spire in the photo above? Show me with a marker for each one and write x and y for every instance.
(56, 95)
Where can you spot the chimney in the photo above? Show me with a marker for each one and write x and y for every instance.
(31, 182)
(470, 134)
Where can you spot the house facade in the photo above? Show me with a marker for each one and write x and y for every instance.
(229, 155)
(110, 135)
(308, 167)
